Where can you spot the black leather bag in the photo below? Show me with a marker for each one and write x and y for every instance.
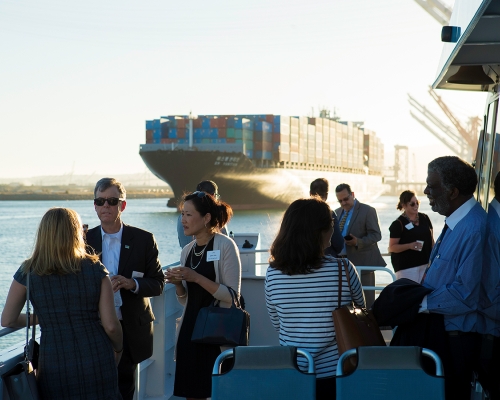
(20, 381)
(222, 326)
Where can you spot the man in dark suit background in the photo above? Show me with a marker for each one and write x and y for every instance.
(319, 187)
(360, 228)
(131, 256)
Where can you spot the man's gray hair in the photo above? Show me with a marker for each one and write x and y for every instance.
(106, 183)
(455, 173)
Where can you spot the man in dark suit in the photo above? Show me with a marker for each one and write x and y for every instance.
(319, 187)
(131, 256)
(361, 231)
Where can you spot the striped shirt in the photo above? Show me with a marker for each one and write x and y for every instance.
(300, 308)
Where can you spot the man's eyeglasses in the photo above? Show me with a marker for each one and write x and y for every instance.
(345, 199)
(413, 203)
(112, 201)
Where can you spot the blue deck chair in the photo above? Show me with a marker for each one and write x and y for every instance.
(390, 373)
(263, 372)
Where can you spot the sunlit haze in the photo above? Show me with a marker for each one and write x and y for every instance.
(79, 79)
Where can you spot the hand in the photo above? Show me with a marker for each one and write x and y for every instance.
(171, 276)
(178, 274)
(120, 282)
(352, 242)
(416, 246)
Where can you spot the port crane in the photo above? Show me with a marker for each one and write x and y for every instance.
(437, 9)
(459, 139)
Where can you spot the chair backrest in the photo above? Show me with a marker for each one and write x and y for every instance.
(263, 372)
(390, 373)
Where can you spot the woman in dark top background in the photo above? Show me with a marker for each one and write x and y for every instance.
(411, 239)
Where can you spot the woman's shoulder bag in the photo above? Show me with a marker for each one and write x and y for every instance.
(20, 381)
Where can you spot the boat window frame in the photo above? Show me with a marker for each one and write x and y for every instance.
(487, 161)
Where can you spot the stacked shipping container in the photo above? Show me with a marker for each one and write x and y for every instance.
(286, 140)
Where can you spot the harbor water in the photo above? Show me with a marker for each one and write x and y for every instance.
(19, 221)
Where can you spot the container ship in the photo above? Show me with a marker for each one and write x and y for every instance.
(262, 161)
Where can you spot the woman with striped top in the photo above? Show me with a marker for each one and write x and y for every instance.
(302, 288)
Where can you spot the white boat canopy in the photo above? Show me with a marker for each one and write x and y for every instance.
(475, 25)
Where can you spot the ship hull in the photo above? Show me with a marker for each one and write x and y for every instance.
(242, 184)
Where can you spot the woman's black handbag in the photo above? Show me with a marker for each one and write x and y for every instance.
(20, 381)
(222, 326)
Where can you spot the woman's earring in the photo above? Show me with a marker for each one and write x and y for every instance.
(205, 224)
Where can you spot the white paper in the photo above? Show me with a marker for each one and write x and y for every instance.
(213, 255)
(409, 226)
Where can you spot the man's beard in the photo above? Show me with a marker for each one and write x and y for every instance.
(441, 205)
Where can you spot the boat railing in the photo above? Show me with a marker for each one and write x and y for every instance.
(8, 331)
(156, 375)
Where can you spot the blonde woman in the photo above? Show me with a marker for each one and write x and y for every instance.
(81, 337)
(209, 265)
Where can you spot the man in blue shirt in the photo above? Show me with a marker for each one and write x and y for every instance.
(360, 229)
(489, 305)
(455, 267)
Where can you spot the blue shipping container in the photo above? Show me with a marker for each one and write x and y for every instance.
(205, 123)
(172, 134)
(197, 133)
(249, 153)
(214, 133)
(183, 141)
(150, 125)
(263, 126)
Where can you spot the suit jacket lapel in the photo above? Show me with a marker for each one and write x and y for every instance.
(126, 248)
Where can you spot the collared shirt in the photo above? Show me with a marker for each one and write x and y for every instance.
(495, 205)
(346, 225)
(455, 272)
(489, 304)
(111, 246)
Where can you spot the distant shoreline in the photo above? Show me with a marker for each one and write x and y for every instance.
(79, 195)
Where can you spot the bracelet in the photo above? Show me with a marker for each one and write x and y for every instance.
(181, 296)
(118, 352)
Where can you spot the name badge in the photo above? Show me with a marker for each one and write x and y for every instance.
(213, 255)
(409, 226)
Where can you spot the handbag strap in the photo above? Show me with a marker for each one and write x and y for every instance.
(235, 300)
(343, 262)
(28, 354)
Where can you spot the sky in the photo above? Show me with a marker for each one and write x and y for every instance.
(78, 79)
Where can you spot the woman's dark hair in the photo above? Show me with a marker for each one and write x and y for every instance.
(298, 247)
(405, 198)
(205, 204)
